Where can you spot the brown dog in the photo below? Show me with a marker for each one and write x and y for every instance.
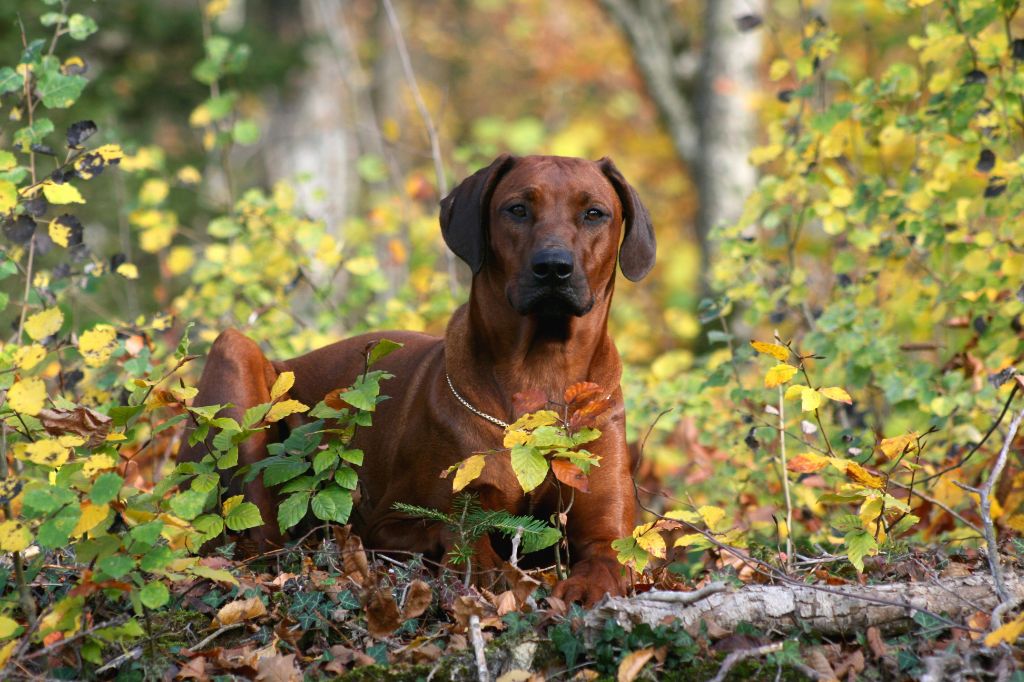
(541, 235)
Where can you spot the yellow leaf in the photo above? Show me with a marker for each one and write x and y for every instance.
(8, 626)
(14, 536)
(128, 270)
(533, 420)
(650, 539)
(189, 175)
(8, 196)
(863, 476)
(114, 437)
(840, 197)
(153, 191)
(809, 399)
(59, 232)
(27, 396)
(894, 447)
(47, 452)
(778, 375)
(92, 516)
(794, 391)
(44, 323)
(184, 393)
(778, 69)
(362, 265)
(284, 408)
(760, 155)
(28, 357)
(780, 353)
(713, 517)
(468, 471)
(214, 8)
(1008, 632)
(283, 383)
(98, 463)
(65, 193)
(515, 437)
(97, 344)
(837, 394)
(6, 650)
(180, 259)
(231, 503)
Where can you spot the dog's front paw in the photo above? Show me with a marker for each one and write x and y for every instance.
(591, 580)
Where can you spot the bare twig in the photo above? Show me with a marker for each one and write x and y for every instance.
(516, 539)
(985, 504)
(428, 122)
(476, 636)
(737, 656)
(785, 480)
(116, 663)
(686, 598)
(198, 646)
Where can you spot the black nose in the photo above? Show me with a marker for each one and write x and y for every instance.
(552, 265)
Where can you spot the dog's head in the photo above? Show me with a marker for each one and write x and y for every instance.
(549, 226)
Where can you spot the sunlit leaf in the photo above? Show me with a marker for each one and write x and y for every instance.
(780, 353)
(468, 471)
(778, 375)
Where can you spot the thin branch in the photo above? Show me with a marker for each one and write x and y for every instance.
(428, 122)
(743, 654)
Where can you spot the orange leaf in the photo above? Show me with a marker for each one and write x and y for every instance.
(633, 663)
(581, 392)
(807, 463)
(589, 413)
(570, 474)
(863, 476)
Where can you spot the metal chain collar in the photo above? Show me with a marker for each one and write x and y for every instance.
(465, 403)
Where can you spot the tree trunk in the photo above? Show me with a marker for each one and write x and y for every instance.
(704, 101)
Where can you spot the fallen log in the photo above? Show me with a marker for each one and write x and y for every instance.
(838, 611)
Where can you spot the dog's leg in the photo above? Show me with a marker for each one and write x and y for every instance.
(237, 373)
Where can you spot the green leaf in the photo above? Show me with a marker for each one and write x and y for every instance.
(188, 504)
(106, 487)
(55, 532)
(533, 542)
(48, 499)
(246, 131)
(630, 553)
(181, 352)
(284, 470)
(147, 533)
(229, 459)
(346, 477)
(154, 595)
(332, 504)
(529, 466)
(324, 460)
(382, 348)
(210, 525)
(859, 544)
(81, 27)
(10, 80)
(255, 414)
(354, 456)
(156, 559)
(292, 510)
(33, 134)
(59, 91)
(116, 566)
(204, 483)
(242, 516)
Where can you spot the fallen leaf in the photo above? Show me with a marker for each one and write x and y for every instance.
(979, 621)
(877, 644)
(194, 669)
(382, 614)
(278, 669)
(633, 663)
(237, 611)
(417, 599)
(505, 602)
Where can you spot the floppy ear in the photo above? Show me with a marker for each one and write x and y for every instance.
(464, 212)
(636, 256)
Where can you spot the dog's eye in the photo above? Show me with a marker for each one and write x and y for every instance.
(593, 215)
(516, 211)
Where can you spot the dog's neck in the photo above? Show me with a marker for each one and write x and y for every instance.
(492, 352)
